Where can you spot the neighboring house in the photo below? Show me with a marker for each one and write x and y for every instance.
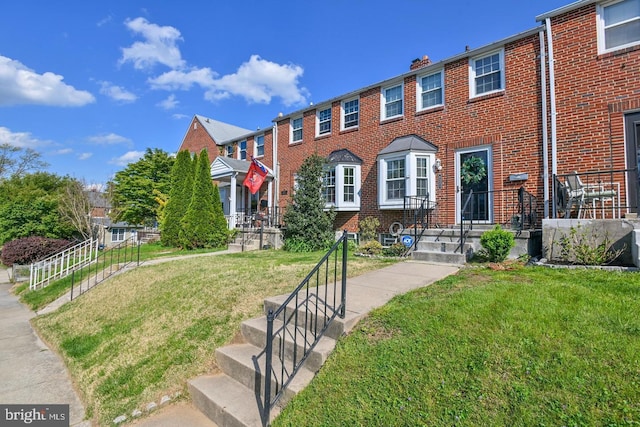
(502, 120)
(108, 232)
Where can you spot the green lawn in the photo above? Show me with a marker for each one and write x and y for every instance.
(532, 346)
(144, 333)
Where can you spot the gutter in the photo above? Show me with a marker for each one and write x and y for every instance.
(545, 131)
(552, 97)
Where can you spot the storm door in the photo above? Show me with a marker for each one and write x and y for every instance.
(632, 136)
(473, 184)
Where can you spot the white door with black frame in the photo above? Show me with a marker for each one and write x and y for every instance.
(473, 185)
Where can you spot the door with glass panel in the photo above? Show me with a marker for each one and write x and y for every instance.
(632, 136)
(473, 184)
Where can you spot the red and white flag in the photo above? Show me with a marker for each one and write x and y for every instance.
(255, 176)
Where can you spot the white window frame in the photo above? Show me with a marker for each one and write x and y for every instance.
(329, 181)
(411, 177)
(242, 150)
(343, 114)
(339, 204)
(118, 234)
(294, 129)
(320, 121)
(384, 102)
(228, 150)
(421, 91)
(257, 146)
(602, 27)
(473, 87)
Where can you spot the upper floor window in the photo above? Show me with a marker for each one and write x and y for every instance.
(430, 91)
(350, 113)
(259, 146)
(618, 25)
(229, 150)
(324, 122)
(296, 129)
(487, 74)
(242, 151)
(392, 102)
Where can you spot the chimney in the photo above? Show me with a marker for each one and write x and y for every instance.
(419, 63)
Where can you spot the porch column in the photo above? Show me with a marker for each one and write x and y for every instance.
(232, 201)
(270, 194)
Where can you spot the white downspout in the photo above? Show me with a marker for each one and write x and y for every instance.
(276, 167)
(545, 136)
(552, 98)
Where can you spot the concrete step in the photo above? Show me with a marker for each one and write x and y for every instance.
(238, 247)
(225, 401)
(245, 363)
(441, 246)
(440, 257)
(289, 339)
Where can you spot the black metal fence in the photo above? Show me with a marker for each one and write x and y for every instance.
(418, 213)
(107, 263)
(512, 208)
(606, 194)
(294, 328)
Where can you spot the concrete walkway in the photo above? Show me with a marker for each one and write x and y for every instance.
(31, 373)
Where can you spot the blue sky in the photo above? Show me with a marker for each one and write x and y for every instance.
(90, 85)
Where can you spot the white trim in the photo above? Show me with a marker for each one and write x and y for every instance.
(458, 204)
(318, 111)
(600, 24)
(340, 205)
(410, 169)
(472, 73)
(383, 101)
(292, 129)
(419, 90)
(239, 153)
(255, 146)
(342, 114)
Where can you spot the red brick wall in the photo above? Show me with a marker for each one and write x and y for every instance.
(593, 93)
(197, 138)
(508, 121)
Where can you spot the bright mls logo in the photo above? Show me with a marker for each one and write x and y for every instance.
(34, 415)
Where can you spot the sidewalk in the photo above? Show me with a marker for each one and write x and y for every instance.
(31, 373)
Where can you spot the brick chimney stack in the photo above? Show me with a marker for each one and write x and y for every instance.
(419, 63)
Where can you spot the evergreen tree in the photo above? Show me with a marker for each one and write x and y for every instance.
(182, 175)
(199, 225)
(308, 226)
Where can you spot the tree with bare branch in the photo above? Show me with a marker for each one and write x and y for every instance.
(75, 207)
(17, 161)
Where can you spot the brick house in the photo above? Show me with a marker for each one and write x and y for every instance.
(486, 129)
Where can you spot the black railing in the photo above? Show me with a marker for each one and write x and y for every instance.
(302, 320)
(467, 207)
(107, 263)
(606, 194)
(513, 208)
(418, 214)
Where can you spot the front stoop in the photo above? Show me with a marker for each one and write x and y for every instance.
(234, 398)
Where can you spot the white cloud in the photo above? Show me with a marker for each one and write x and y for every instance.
(117, 93)
(109, 139)
(84, 156)
(126, 158)
(21, 85)
(168, 104)
(184, 80)
(158, 47)
(63, 151)
(21, 139)
(179, 116)
(104, 21)
(259, 80)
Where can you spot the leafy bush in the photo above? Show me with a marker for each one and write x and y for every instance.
(587, 247)
(372, 247)
(30, 249)
(397, 249)
(497, 243)
(296, 244)
(368, 228)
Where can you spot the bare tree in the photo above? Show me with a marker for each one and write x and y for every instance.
(18, 161)
(75, 207)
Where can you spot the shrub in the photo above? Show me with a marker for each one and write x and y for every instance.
(30, 249)
(397, 249)
(368, 228)
(296, 244)
(587, 247)
(497, 243)
(372, 247)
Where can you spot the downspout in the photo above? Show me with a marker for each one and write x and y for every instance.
(545, 136)
(552, 98)
(276, 168)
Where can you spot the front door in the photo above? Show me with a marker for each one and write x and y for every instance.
(632, 136)
(473, 176)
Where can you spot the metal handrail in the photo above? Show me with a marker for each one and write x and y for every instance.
(422, 211)
(61, 264)
(106, 264)
(309, 318)
(462, 211)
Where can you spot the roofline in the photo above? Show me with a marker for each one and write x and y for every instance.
(434, 66)
(564, 9)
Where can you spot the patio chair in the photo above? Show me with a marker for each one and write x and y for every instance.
(576, 194)
(588, 195)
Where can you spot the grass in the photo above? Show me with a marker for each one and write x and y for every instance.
(142, 334)
(533, 346)
(40, 298)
